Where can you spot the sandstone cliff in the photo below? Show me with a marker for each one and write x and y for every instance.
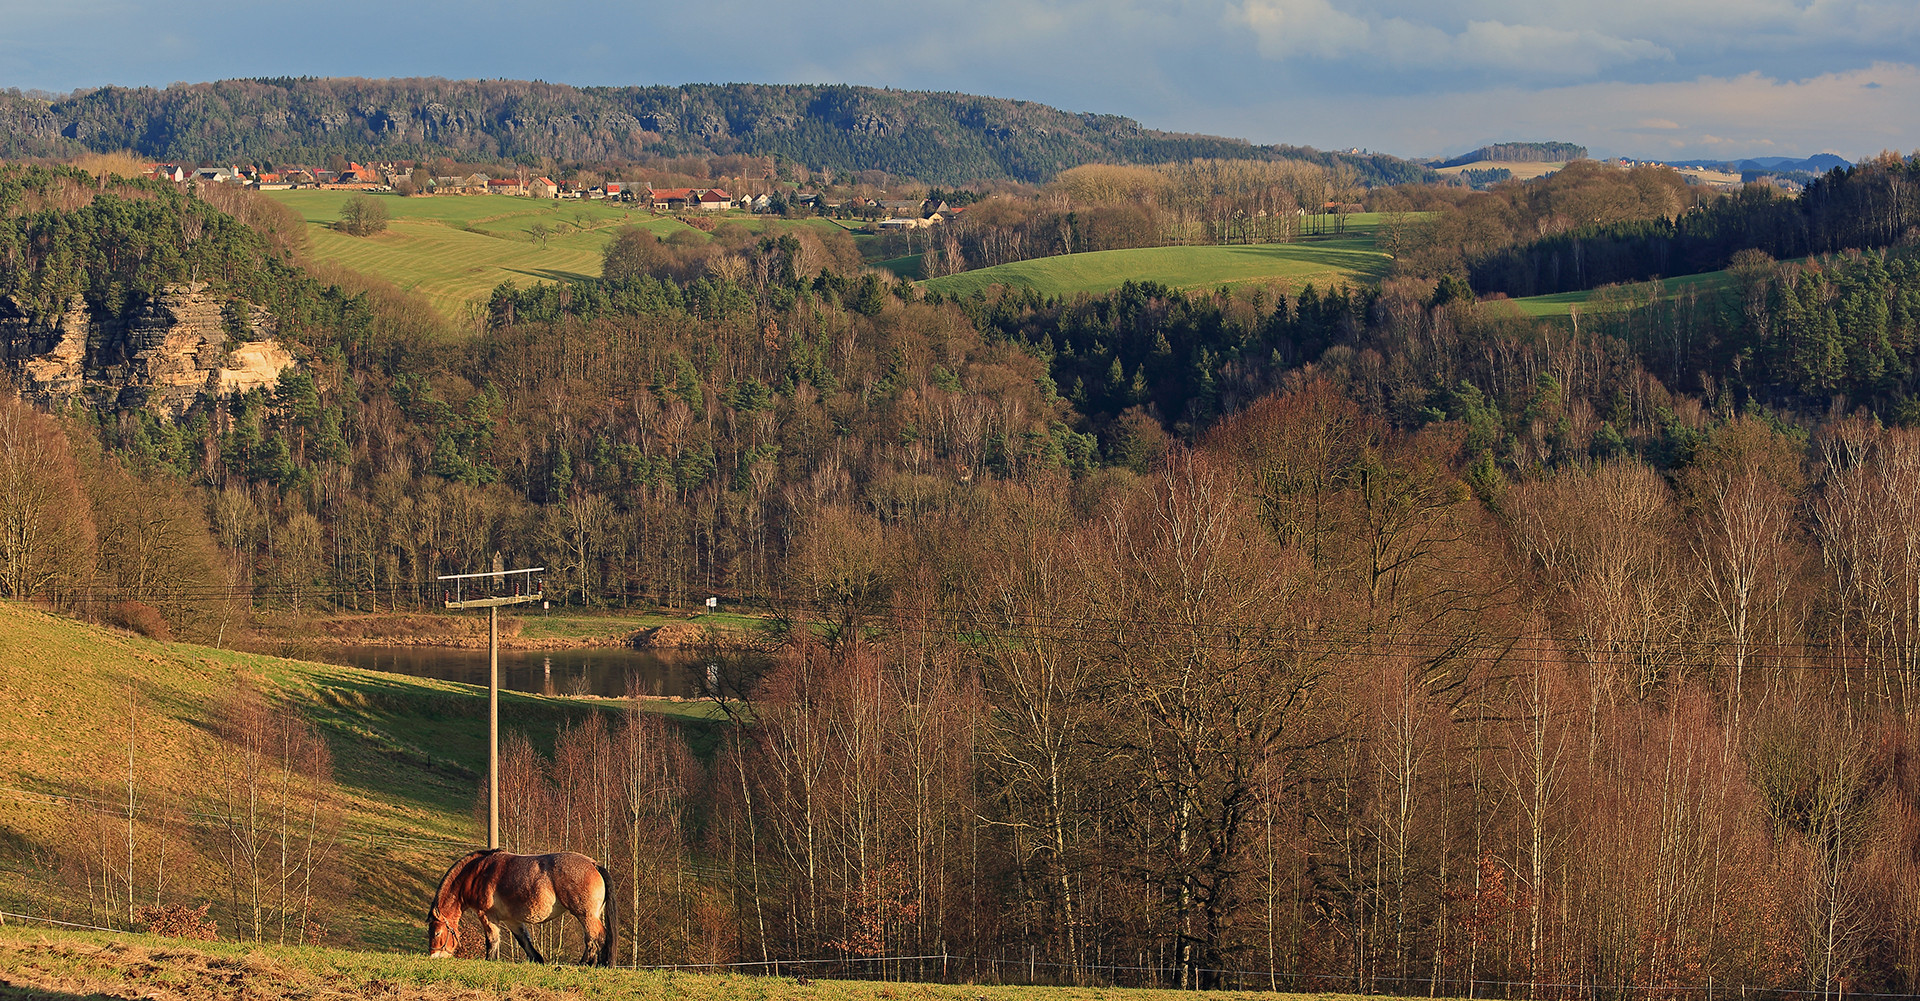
(161, 358)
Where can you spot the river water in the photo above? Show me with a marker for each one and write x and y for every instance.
(606, 671)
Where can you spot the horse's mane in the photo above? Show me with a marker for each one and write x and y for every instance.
(448, 881)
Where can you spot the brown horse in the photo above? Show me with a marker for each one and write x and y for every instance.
(522, 890)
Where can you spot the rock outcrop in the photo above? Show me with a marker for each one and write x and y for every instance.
(161, 358)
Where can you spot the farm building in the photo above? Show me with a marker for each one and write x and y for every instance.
(471, 184)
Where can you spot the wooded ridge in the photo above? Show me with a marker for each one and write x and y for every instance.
(941, 138)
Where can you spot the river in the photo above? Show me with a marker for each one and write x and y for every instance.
(579, 671)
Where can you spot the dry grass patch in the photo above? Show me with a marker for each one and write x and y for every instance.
(36, 963)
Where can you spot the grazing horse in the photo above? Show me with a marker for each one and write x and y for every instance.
(522, 890)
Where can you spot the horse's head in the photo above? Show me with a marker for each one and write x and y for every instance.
(443, 933)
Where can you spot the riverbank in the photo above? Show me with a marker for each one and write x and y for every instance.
(540, 630)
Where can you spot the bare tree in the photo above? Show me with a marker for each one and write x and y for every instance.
(46, 530)
(271, 794)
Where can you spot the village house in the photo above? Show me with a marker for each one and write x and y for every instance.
(355, 178)
(715, 200)
(470, 184)
(167, 172)
(542, 187)
(671, 199)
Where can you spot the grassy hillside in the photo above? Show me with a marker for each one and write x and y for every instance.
(1320, 261)
(454, 250)
(1562, 303)
(35, 962)
(408, 754)
(1523, 170)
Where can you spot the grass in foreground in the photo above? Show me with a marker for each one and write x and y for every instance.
(1321, 261)
(408, 753)
(71, 965)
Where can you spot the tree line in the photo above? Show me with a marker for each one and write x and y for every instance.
(1532, 245)
(1109, 206)
(940, 138)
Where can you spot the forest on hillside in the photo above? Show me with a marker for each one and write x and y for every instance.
(939, 138)
(1332, 639)
(1591, 225)
(1522, 152)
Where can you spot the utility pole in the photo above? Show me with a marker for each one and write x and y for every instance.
(489, 591)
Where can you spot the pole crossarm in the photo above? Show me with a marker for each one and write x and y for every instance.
(518, 599)
(494, 588)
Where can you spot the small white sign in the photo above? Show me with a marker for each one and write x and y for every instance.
(713, 602)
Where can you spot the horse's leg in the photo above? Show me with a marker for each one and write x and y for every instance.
(526, 943)
(593, 931)
(493, 936)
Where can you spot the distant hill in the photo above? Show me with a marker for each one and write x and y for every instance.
(942, 138)
(1819, 163)
(1529, 152)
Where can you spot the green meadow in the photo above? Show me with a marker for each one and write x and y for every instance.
(453, 250)
(1563, 303)
(1321, 261)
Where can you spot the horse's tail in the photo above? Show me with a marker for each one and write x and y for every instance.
(606, 918)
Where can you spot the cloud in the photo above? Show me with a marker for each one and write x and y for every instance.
(1540, 49)
(1285, 29)
(1751, 113)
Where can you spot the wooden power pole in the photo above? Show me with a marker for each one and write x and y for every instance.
(489, 591)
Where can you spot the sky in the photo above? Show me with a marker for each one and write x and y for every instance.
(1665, 79)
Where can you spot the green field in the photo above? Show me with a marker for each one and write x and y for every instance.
(408, 753)
(454, 250)
(1321, 261)
(1562, 303)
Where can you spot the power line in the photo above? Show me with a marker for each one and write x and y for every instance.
(1335, 641)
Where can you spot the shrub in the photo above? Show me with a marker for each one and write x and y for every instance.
(142, 618)
(362, 216)
(179, 921)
